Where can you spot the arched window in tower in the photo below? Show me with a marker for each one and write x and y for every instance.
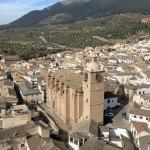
(85, 76)
(98, 77)
(53, 104)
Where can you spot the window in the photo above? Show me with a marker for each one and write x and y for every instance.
(108, 101)
(71, 139)
(85, 77)
(98, 77)
(22, 145)
(76, 142)
(139, 92)
(141, 117)
(81, 142)
(87, 100)
(146, 118)
(134, 116)
(143, 92)
(63, 92)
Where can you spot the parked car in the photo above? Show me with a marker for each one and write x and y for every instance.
(109, 114)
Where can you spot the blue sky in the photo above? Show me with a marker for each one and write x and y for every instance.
(13, 9)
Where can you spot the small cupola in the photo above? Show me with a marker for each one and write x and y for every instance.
(93, 66)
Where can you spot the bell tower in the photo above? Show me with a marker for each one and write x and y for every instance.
(93, 87)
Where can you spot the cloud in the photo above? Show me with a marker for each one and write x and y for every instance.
(13, 9)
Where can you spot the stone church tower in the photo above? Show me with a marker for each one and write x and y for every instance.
(93, 90)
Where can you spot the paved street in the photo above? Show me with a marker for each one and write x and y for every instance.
(49, 111)
(119, 121)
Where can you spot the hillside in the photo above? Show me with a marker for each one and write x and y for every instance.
(39, 41)
(75, 10)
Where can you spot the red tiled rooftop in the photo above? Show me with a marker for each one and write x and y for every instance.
(139, 126)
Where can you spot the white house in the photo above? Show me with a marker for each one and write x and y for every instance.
(38, 81)
(118, 133)
(110, 100)
(142, 100)
(139, 120)
(136, 89)
(112, 60)
(113, 135)
(138, 130)
(76, 139)
(139, 115)
(124, 58)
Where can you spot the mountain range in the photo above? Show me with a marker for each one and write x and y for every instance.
(75, 10)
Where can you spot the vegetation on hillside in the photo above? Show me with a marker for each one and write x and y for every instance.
(43, 40)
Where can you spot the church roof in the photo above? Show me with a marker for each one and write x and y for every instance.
(69, 78)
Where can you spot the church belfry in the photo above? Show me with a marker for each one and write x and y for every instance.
(93, 87)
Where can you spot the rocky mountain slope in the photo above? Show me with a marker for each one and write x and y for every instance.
(74, 10)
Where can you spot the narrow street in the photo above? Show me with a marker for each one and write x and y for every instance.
(120, 121)
(59, 123)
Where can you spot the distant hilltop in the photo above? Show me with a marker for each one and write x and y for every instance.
(74, 10)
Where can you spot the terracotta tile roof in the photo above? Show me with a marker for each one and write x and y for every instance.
(78, 135)
(38, 143)
(146, 96)
(139, 126)
(140, 112)
(94, 143)
(128, 143)
(4, 99)
(135, 87)
(15, 132)
(144, 142)
(12, 92)
(109, 85)
(69, 78)
(126, 74)
(6, 82)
